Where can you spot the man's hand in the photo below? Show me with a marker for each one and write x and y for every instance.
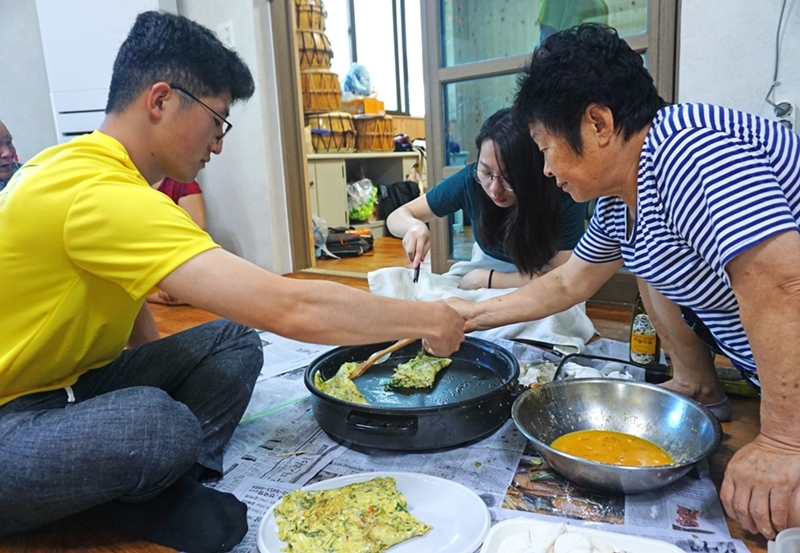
(467, 310)
(450, 333)
(761, 488)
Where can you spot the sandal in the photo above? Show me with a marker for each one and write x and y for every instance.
(721, 409)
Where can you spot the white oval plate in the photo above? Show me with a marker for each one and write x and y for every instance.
(460, 518)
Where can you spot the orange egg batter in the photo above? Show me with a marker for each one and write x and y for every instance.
(613, 448)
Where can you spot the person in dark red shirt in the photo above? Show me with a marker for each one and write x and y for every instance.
(189, 196)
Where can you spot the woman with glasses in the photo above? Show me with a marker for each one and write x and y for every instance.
(518, 215)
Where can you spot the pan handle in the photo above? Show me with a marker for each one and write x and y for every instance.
(395, 425)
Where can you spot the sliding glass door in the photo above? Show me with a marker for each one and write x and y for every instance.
(474, 50)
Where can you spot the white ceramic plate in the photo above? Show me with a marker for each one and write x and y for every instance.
(619, 542)
(460, 518)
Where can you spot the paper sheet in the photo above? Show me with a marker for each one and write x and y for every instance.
(284, 354)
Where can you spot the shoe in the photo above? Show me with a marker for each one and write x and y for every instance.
(721, 409)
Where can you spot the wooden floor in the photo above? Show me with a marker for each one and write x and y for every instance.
(80, 534)
(386, 252)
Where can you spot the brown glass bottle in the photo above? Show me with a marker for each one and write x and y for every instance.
(645, 345)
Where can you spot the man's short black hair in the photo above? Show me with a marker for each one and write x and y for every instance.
(173, 49)
(580, 66)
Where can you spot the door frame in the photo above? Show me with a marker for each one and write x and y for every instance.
(292, 123)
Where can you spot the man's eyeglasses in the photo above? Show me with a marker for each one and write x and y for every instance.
(485, 179)
(224, 123)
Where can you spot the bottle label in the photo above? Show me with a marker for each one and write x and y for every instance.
(643, 344)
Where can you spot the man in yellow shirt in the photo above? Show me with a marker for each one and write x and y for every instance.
(84, 422)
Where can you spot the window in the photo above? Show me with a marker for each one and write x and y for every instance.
(474, 51)
(385, 36)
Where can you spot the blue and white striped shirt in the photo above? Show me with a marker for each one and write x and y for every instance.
(712, 183)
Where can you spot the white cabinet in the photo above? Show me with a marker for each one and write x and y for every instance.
(328, 190)
(329, 174)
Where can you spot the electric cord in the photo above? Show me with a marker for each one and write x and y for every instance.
(784, 108)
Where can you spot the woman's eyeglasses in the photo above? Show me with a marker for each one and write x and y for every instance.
(485, 179)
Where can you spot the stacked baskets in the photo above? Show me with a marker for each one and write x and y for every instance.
(331, 129)
(374, 133)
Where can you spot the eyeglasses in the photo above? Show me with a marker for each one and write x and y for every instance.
(225, 124)
(485, 179)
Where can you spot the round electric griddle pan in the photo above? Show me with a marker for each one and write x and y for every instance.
(470, 399)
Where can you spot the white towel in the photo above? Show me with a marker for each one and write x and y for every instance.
(568, 331)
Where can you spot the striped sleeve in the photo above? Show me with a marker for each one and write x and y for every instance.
(725, 196)
(599, 243)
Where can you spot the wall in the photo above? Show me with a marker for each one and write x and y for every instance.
(727, 53)
(24, 94)
(243, 187)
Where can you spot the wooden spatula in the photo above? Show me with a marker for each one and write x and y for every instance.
(380, 356)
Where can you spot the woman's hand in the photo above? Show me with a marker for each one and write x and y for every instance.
(417, 243)
(761, 488)
(475, 279)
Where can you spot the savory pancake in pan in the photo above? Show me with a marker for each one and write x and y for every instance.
(341, 385)
(419, 372)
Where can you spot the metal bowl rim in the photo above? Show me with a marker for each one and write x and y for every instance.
(562, 383)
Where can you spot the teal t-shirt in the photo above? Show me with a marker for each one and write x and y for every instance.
(460, 191)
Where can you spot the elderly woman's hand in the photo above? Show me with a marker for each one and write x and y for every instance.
(761, 488)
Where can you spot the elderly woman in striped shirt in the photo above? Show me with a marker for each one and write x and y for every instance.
(702, 204)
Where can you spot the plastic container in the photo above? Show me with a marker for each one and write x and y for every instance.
(787, 541)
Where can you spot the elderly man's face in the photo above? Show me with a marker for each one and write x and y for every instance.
(7, 153)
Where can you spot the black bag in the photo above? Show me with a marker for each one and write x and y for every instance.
(392, 196)
(345, 242)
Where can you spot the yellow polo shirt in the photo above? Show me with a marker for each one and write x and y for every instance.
(83, 240)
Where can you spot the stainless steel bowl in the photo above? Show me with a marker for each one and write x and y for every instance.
(684, 428)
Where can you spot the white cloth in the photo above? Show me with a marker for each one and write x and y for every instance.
(568, 331)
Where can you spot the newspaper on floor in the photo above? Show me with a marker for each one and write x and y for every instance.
(685, 513)
(287, 446)
(284, 354)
